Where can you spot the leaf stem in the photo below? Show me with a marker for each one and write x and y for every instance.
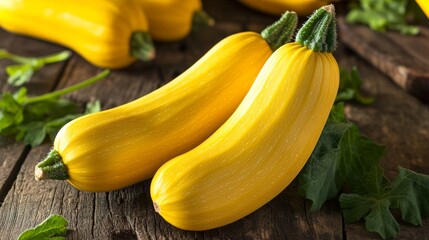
(57, 57)
(72, 88)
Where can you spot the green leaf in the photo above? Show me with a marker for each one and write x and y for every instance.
(21, 73)
(376, 213)
(10, 111)
(52, 127)
(350, 85)
(32, 133)
(321, 179)
(92, 107)
(381, 220)
(54, 227)
(30, 120)
(342, 155)
(359, 157)
(384, 15)
(410, 192)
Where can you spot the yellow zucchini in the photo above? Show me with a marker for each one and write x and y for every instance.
(115, 148)
(107, 33)
(424, 5)
(172, 20)
(277, 7)
(264, 144)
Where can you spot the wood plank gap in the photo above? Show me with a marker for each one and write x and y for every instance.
(343, 226)
(4, 190)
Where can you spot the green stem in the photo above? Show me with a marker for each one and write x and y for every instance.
(52, 167)
(319, 32)
(142, 46)
(72, 88)
(200, 20)
(281, 31)
(363, 99)
(57, 57)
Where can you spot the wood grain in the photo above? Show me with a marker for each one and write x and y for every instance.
(402, 58)
(13, 154)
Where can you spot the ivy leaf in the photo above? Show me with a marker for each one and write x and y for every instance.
(410, 192)
(54, 227)
(342, 155)
(321, 178)
(375, 211)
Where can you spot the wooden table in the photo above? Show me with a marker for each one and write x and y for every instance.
(396, 120)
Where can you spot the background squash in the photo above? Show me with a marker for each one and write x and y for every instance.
(107, 33)
(172, 20)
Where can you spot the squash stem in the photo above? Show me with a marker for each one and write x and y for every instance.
(52, 167)
(319, 32)
(142, 46)
(280, 32)
(200, 20)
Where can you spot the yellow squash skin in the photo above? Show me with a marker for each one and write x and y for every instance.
(115, 148)
(170, 20)
(277, 7)
(424, 5)
(99, 30)
(258, 151)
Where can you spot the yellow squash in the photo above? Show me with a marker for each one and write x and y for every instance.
(115, 148)
(107, 33)
(277, 7)
(424, 5)
(172, 20)
(264, 144)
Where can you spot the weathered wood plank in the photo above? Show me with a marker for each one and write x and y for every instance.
(129, 214)
(399, 122)
(403, 58)
(13, 154)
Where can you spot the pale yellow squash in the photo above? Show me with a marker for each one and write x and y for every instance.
(265, 143)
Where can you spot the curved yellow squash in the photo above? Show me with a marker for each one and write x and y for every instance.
(172, 20)
(424, 5)
(260, 148)
(127, 144)
(101, 31)
(277, 7)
